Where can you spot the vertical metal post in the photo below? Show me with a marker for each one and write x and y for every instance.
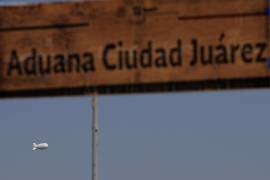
(95, 139)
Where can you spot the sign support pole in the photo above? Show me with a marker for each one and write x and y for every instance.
(94, 138)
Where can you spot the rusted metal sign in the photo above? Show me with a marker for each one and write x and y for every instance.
(127, 46)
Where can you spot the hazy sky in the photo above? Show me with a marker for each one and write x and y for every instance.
(179, 136)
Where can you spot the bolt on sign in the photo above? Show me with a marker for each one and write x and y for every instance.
(129, 46)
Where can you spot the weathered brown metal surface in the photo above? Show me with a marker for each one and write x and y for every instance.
(127, 46)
